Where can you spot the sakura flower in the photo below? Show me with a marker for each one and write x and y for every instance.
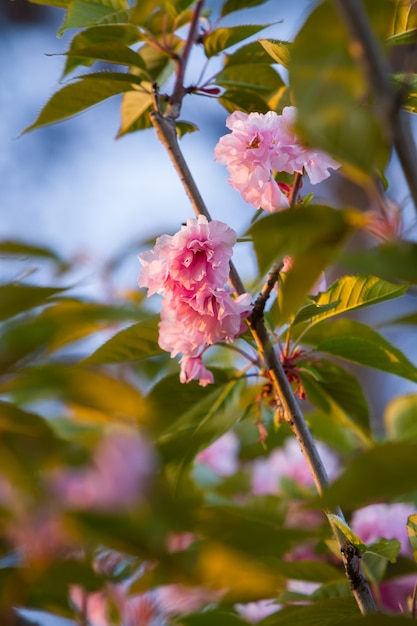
(120, 476)
(288, 462)
(196, 257)
(315, 163)
(261, 145)
(254, 612)
(193, 368)
(222, 455)
(388, 521)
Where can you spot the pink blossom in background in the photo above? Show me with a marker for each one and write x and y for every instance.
(288, 462)
(222, 455)
(254, 612)
(388, 521)
(262, 144)
(178, 599)
(123, 464)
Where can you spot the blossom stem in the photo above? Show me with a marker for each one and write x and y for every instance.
(377, 72)
(296, 186)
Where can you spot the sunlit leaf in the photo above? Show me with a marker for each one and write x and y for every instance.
(111, 34)
(81, 388)
(350, 293)
(358, 343)
(400, 417)
(412, 534)
(111, 52)
(249, 53)
(347, 532)
(279, 51)
(83, 94)
(386, 548)
(329, 91)
(90, 13)
(16, 298)
(134, 111)
(222, 38)
(136, 342)
(259, 78)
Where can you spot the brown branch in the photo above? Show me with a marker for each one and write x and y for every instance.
(179, 91)
(377, 71)
(166, 132)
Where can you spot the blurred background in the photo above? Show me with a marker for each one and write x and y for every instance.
(76, 189)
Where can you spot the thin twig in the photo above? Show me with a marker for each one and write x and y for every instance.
(377, 72)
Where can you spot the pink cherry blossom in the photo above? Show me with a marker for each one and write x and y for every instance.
(193, 368)
(222, 455)
(261, 145)
(388, 521)
(120, 476)
(254, 612)
(288, 462)
(197, 257)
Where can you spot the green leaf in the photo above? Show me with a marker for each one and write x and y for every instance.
(258, 78)
(83, 13)
(24, 250)
(279, 51)
(57, 325)
(220, 617)
(329, 91)
(222, 38)
(250, 53)
(312, 235)
(236, 5)
(248, 101)
(404, 24)
(299, 231)
(16, 298)
(393, 261)
(134, 112)
(400, 417)
(137, 342)
(112, 52)
(76, 97)
(387, 471)
(331, 612)
(358, 343)
(412, 534)
(338, 394)
(117, 34)
(350, 293)
(388, 549)
(61, 4)
(90, 395)
(347, 532)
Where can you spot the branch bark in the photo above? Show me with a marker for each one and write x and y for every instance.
(377, 71)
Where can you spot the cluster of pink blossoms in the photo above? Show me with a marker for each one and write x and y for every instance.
(261, 144)
(190, 269)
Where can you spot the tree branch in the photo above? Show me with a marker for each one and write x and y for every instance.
(166, 132)
(377, 71)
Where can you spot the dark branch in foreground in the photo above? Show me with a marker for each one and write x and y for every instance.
(377, 72)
